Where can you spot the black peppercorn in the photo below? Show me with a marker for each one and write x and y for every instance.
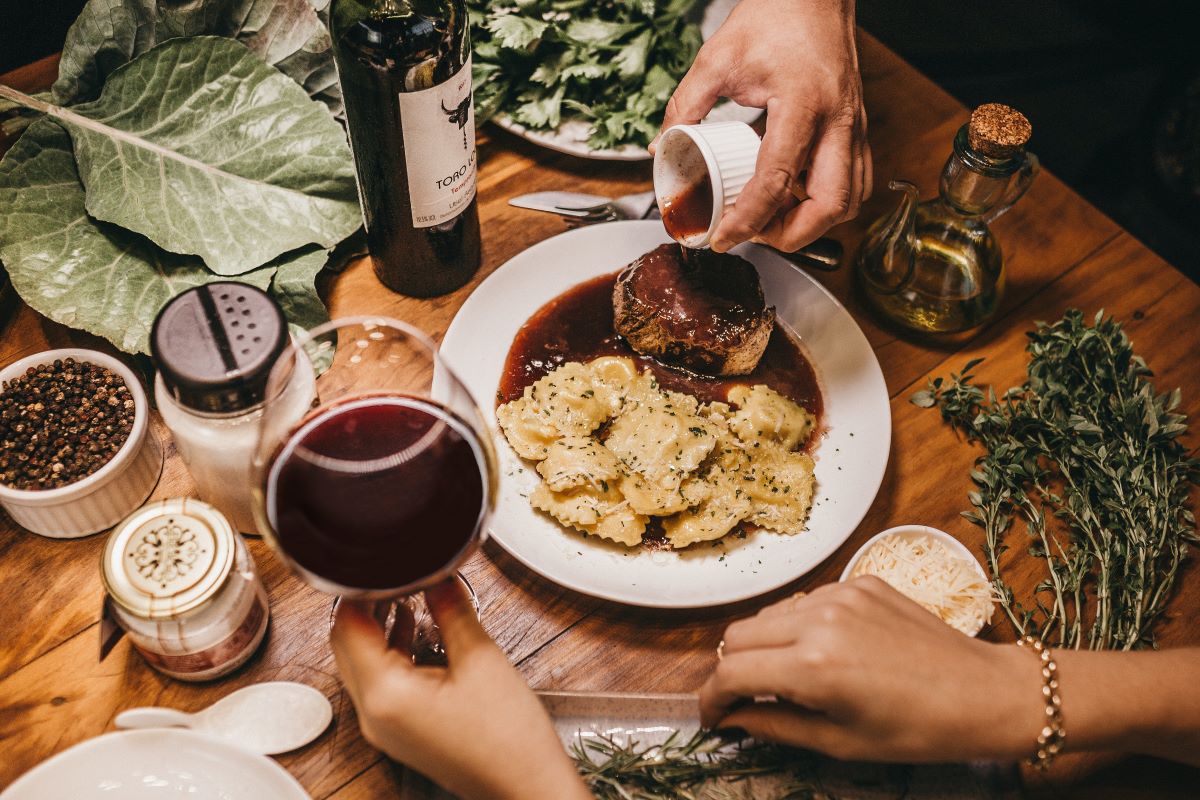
(61, 422)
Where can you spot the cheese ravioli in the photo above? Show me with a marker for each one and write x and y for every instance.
(615, 449)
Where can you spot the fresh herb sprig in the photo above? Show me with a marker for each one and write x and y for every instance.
(705, 765)
(1087, 442)
(613, 63)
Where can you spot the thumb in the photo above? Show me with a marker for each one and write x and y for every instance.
(458, 620)
(788, 724)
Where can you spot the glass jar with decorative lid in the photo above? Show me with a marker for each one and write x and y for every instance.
(185, 589)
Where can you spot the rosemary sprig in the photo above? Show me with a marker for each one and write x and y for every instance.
(705, 765)
(1086, 442)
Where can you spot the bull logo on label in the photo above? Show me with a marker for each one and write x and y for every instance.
(459, 115)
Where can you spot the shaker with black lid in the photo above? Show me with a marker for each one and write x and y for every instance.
(214, 346)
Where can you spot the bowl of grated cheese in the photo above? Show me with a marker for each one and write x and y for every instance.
(933, 569)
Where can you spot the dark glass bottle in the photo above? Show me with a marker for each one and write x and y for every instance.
(405, 70)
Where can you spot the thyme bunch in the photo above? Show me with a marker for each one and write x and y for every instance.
(704, 765)
(1087, 456)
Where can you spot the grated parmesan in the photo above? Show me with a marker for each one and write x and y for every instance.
(926, 571)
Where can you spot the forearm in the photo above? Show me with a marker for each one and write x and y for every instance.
(555, 777)
(1146, 702)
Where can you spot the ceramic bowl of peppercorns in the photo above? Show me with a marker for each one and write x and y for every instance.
(76, 450)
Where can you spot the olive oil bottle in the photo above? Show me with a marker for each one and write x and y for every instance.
(405, 71)
(936, 267)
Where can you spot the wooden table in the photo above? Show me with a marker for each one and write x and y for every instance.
(1061, 253)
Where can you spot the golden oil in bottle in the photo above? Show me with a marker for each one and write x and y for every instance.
(935, 267)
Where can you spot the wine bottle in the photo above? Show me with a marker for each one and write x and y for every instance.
(405, 71)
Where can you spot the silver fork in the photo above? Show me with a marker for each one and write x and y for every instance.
(630, 206)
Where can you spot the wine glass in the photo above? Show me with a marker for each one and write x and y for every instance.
(385, 486)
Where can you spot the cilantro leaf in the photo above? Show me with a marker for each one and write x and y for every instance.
(598, 31)
(516, 32)
(631, 60)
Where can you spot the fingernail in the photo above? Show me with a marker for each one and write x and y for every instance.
(653, 144)
(721, 245)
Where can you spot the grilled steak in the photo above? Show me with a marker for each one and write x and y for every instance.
(703, 310)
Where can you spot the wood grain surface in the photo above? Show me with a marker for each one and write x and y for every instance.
(1060, 253)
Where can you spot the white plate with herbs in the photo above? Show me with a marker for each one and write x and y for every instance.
(572, 134)
(851, 454)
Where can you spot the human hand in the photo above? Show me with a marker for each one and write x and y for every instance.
(862, 672)
(474, 727)
(798, 61)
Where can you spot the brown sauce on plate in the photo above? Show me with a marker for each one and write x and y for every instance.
(578, 326)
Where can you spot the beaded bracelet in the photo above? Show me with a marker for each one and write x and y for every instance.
(1050, 739)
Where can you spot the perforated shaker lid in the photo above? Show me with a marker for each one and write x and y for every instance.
(214, 345)
(168, 558)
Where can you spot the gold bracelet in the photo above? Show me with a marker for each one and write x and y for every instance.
(1050, 739)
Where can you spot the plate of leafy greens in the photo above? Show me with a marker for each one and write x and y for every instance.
(589, 79)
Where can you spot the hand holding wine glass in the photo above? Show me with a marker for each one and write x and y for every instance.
(385, 488)
(474, 726)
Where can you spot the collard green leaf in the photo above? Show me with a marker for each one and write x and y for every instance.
(294, 286)
(77, 271)
(205, 149)
(289, 34)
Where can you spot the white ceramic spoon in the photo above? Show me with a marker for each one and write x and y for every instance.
(266, 718)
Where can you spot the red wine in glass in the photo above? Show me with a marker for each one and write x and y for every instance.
(382, 494)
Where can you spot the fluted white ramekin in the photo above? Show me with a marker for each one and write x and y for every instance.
(105, 497)
(727, 151)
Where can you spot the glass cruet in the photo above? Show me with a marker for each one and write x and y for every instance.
(936, 267)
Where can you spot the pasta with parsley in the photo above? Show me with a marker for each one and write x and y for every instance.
(614, 450)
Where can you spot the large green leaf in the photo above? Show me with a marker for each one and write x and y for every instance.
(205, 149)
(288, 34)
(294, 286)
(83, 273)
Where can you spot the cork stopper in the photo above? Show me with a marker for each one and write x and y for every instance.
(998, 131)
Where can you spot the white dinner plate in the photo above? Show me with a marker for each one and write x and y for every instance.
(155, 765)
(851, 454)
(571, 136)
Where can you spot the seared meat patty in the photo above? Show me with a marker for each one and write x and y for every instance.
(704, 311)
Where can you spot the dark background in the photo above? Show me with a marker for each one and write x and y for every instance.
(1112, 88)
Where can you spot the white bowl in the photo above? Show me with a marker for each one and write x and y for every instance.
(156, 764)
(726, 151)
(912, 532)
(105, 497)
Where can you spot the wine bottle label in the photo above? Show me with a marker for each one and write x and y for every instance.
(439, 148)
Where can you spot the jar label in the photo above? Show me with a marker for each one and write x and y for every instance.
(223, 656)
(439, 148)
